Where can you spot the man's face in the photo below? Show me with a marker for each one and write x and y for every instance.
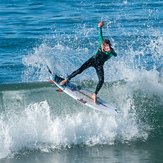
(106, 48)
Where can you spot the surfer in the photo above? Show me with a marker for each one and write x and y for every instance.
(97, 61)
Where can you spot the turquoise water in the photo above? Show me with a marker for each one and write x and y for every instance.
(39, 124)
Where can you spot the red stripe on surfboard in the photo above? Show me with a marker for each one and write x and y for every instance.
(51, 81)
(81, 100)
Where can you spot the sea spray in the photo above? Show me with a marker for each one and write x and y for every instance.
(37, 128)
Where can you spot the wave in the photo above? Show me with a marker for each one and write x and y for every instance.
(34, 116)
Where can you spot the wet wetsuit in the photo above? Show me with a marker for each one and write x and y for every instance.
(97, 61)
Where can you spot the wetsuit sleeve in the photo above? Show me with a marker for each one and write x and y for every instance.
(113, 52)
(100, 36)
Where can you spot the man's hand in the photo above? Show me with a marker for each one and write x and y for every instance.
(101, 24)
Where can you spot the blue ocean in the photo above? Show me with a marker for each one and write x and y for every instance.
(39, 124)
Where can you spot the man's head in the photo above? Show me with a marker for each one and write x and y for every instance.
(106, 45)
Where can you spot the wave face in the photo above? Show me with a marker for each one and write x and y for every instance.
(34, 116)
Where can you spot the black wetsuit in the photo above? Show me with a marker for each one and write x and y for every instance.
(97, 61)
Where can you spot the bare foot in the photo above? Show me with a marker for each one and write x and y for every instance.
(94, 98)
(63, 82)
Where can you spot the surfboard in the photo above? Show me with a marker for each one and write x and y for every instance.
(83, 96)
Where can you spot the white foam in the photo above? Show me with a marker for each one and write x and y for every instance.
(36, 128)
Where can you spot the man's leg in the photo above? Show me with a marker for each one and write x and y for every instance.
(100, 74)
(86, 65)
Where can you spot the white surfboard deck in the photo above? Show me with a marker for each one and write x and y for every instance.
(83, 96)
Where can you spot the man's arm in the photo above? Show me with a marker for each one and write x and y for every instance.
(100, 25)
(100, 36)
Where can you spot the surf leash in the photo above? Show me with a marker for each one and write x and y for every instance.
(46, 65)
(51, 73)
(49, 70)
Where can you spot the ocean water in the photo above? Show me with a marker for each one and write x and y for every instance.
(39, 124)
